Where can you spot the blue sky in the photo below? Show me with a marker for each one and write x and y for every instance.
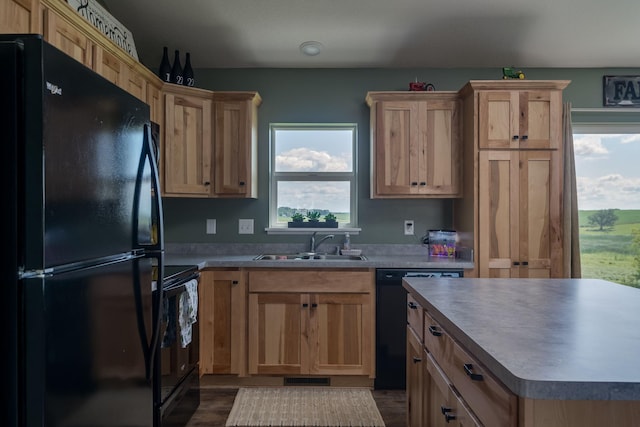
(607, 171)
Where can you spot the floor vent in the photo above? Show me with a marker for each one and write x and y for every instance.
(306, 381)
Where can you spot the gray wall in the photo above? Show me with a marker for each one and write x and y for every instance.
(337, 95)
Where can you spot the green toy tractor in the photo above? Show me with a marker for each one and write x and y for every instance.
(511, 73)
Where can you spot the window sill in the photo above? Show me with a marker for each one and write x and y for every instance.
(288, 231)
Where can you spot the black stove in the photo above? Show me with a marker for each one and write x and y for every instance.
(177, 274)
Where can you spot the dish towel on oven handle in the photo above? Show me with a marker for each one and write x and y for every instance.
(188, 311)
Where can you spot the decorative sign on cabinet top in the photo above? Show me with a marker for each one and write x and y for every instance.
(107, 24)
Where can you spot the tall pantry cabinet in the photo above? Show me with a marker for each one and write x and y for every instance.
(511, 214)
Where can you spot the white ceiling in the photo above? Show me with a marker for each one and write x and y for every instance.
(387, 33)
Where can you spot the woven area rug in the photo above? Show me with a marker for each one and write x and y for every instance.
(304, 406)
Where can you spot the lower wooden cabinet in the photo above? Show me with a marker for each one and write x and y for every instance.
(415, 380)
(222, 314)
(312, 322)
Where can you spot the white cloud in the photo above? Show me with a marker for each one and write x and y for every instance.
(608, 192)
(589, 145)
(308, 160)
(626, 139)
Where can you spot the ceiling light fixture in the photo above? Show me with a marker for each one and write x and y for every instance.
(311, 48)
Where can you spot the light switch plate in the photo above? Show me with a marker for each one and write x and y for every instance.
(245, 226)
(211, 226)
(408, 227)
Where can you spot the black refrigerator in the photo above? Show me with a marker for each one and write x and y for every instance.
(82, 236)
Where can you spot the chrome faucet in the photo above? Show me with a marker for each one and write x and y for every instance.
(313, 244)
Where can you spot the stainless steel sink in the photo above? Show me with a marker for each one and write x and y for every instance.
(307, 256)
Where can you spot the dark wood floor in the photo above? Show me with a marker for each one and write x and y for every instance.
(216, 403)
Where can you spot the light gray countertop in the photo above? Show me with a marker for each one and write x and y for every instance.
(372, 261)
(242, 255)
(544, 338)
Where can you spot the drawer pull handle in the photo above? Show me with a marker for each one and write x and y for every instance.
(447, 415)
(423, 183)
(525, 137)
(434, 331)
(525, 262)
(234, 282)
(416, 359)
(413, 306)
(305, 305)
(314, 305)
(468, 369)
(515, 137)
(413, 184)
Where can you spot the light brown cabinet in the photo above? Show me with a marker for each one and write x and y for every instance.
(448, 386)
(520, 119)
(511, 213)
(415, 144)
(236, 145)
(519, 213)
(19, 16)
(188, 146)
(222, 317)
(68, 37)
(311, 322)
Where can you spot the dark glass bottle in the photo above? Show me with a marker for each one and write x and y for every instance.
(164, 71)
(176, 70)
(188, 71)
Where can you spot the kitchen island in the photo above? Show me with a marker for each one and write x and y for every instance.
(561, 352)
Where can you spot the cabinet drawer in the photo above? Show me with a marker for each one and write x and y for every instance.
(438, 343)
(493, 403)
(415, 316)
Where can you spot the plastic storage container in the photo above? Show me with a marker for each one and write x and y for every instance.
(442, 243)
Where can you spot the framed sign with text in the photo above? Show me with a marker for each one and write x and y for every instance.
(621, 91)
(95, 14)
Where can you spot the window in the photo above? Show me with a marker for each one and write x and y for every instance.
(608, 181)
(313, 168)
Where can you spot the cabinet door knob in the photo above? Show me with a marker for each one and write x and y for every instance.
(468, 369)
(423, 183)
(414, 183)
(516, 137)
(434, 331)
(412, 305)
(207, 183)
(525, 262)
(234, 282)
(445, 409)
(416, 359)
(241, 182)
(305, 305)
(525, 137)
(314, 305)
(516, 263)
(449, 417)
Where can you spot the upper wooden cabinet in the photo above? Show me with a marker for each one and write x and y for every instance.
(187, 147)
(236, 146)
(20, 16)
(511, 212)
(415, 146)
(520, 119)
(210, 144)
(67, 37)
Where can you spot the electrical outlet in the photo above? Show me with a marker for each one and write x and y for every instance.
(408, 227)
(211, 226)
(245, 226)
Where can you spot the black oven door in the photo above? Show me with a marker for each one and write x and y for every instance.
(179, 351)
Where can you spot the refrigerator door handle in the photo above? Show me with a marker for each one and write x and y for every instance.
(148, 154)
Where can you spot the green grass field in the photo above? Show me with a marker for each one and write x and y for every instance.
(609, 254)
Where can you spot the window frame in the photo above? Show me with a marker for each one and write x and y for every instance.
(276, 177)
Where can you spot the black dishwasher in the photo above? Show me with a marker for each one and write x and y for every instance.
(391, 323)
